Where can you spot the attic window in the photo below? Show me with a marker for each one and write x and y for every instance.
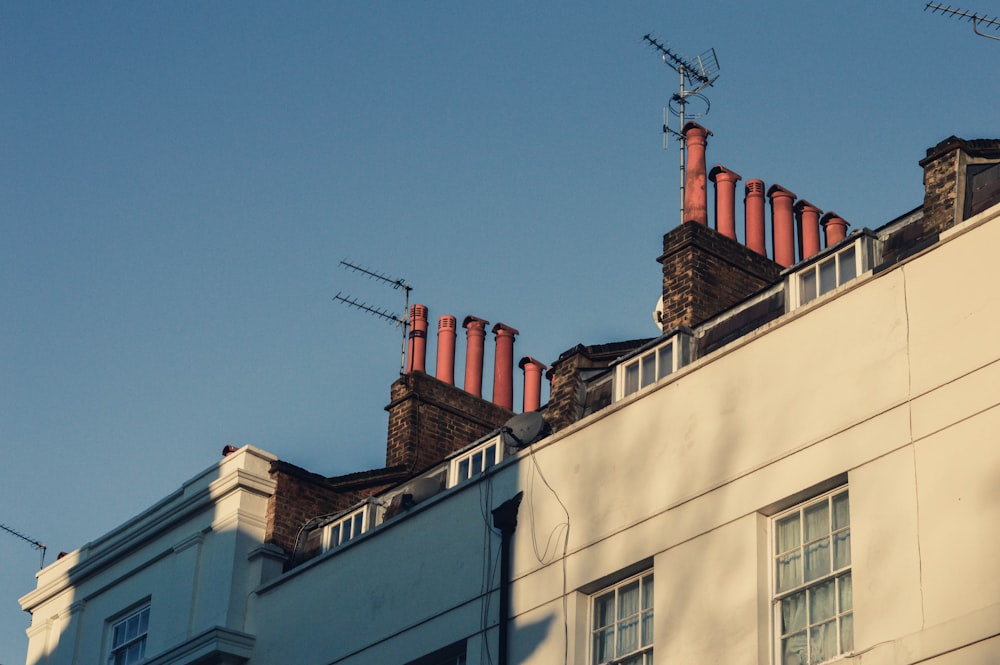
(982, 188)
(346, 528)
(832, 270)
(476, 461)
(646, 368)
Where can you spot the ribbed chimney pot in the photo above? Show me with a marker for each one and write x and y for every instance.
(418, 339)
(446, 349)
(754, 219)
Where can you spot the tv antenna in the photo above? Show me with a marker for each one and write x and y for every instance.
(34, 543)
(976, 19)
(695, 75)
(399, 321)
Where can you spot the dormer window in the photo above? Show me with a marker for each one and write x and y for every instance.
(831, 269)
(649, 366)
(346, 528)
(475, 461)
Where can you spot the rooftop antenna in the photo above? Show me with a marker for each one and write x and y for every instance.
(695, 75)
(399, 321)
(34, 543)
(976, 19)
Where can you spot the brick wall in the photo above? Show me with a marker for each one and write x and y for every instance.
(430, 419)
(705, 273)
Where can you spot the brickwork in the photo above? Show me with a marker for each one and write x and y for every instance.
(941, 169)
(430, 419)
(705, 273)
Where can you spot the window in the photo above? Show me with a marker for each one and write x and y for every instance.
(471, 464)
(982, 188)
(813, 602)
(344, 529)
(622, 623)
(128, 638)
(649, 367)
(833, 270)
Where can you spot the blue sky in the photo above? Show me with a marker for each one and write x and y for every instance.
(180, 180)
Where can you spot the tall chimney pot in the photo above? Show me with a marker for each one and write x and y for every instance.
(754, 202)
(725, 200)
(503, 366)
(446, 349)
(418, 339)
(782, 225)
(532, 382)
(475, 334)
(807, 220)
(695, 195)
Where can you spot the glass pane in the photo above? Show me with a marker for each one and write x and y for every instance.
(647, 628)
(807, 286)
(841, 511)
(131, 628)
(359, 524)
(846, 593)
(793, 613)
(119, 637)
(848, 266)
(822, 602)
(604, 610)
(847, 633)
(628, 600)
(817, 558)
(842, 549)
(477, 463)
(334, 535)
(628, 636)
(793, 649)
(648, 369)
(817, 521)
(647, 593)
(787, 534)
(666, 360)
(632, 378)
(789, 572)
(828, 275)
(463, 470)
(490, 455)
(823, 642)
(603, 645)
(144, 621)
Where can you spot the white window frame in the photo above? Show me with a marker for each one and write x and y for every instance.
(640, 621)
(347, 528)
(127, 636)
(863, 247)
(796, 590)
(475, 461)
(650, 366)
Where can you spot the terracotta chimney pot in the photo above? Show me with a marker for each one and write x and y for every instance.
(695, 195)
(807, 220)
(446, 349)
(503, 367)
(754, 202)
(532, 382)
(725, 200)
(835, 228)
(418, 339)
(782, 225)
(475, 333)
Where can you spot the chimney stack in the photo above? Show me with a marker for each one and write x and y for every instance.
(725, 200)
(418, 339)
(807, 219)
(475, 332)
(754, 202)
(834, 227)
(446, 349)
(695, 195)
(532, 383)
(782, 225)
(503, 367)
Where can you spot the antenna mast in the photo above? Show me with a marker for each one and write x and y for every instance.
(34, 543)
(976, 19)
(695, 75)
(398, 321)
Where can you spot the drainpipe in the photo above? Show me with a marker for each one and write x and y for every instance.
(418, 338)
(835, 228)
(446, 350)
(475, 333)
(505, 519)
(807, 217)
(725, 200)
(782, 225)
(503, 367)
(695, 196)
(754, 203)
(532, 382)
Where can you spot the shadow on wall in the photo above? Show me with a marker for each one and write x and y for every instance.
(525, 639)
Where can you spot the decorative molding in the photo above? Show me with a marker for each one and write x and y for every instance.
(218, 646)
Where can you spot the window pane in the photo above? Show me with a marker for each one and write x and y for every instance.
(144, 621)
(648, 369)
(793, 613)
(632, 378)
(477, 463)
(490, 455)
(793, 649)
(789, 571)
(828, 275)
(842, 549)
(628, 600)
(822, 602)
(359, 524)
(604, 610)
(628, 636)
(647, 628)
(603, 645)
(817, 521)
(787, 534)
(647, 592)
(847, 633)
(131, 628)
(807, 286)
(841, 511)
(823, 642)
(846, 593)
(334, 535)
(666, 360)
(463, 470)
(817, 559)
(848, 266)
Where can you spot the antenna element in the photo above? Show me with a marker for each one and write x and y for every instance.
(695, 75)
(976, 19)
(398, 321)
(34, 543)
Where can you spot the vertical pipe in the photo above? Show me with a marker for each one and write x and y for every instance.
(475, 333)
(807, 220)
(782, 225)
(725, 200)
(834, 227)
(532, 383)
(418, 339)
(695, 194)
(503, 366)
(446, 349)
(505, 519)
(754, 219)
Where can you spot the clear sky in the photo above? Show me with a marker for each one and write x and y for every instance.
(179, 181)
